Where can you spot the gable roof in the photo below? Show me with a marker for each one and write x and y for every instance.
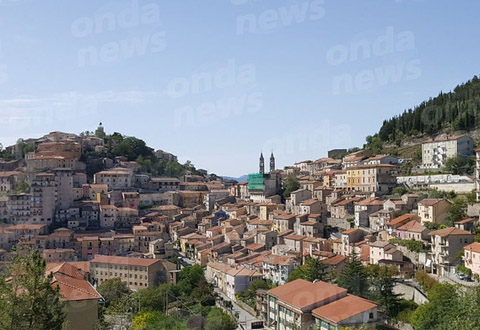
(74, 289)
(343, 309)
(142, 262)
(449, 231)
(413, 226)
(301, 294)
(474, 247)
(401, 219)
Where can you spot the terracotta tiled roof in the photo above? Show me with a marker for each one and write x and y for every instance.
(444, 138)
(343, 308)
(466, 220)
(74, 289)
(401, 219)
(67, 269)
(449, 231)
(412, 226)
(334, 260)
(309, 202)
(301, 294)
(351, 230)
(124, 261)
(474, 247)
(371, 201)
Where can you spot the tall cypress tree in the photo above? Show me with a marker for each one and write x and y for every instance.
(354, 277)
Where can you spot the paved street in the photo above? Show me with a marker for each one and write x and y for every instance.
(245, 318)
(454, 280)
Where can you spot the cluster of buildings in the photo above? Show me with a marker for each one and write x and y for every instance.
(125, 224)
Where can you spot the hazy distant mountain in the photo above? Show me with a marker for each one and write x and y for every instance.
(239, 179)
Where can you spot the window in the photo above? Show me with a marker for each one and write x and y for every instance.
(370, 316)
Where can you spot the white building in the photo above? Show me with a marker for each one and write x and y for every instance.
(436, 151)
(277, 268)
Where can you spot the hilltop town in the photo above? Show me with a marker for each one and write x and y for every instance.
(280, 250)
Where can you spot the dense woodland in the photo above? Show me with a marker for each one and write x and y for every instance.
(458, 110)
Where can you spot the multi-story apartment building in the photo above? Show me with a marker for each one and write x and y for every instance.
(471, 257)
(371, 178)
(384, 251)
(277, 268)
(230, 279)
(137, 273)
(364, 208)
(59, 255)
(433, 210)
(19, 208)
(435, 152)
(340, 179)
(302, 304)
(163, 184)
(126, 217)
(8, 181)
(446, 243)
(44, 198)
(115, 179)
(108, 216)
(349, 238)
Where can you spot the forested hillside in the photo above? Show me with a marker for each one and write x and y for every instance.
(458, 110)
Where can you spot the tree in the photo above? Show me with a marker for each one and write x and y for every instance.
(249, 295)
(312, 270)
(382, 282)
(22, 188)
(440, 311)
(157, 320)
(454, 164)
(113, 290)
(458, 211)
(291, 184)
(354, 277)
(28, 299)
(399, 191)
(218, 320)
(173, 168)
(132, 147)
(190, 277)
(471, 197)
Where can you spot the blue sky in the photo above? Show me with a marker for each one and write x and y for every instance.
(217, 82)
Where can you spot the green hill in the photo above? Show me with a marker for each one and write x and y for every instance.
(456, 111)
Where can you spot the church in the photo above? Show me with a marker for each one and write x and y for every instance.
(265, 187)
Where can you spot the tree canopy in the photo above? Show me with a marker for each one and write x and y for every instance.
(456, 110)
(28, 299)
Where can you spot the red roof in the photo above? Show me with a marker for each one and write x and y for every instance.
(124, 260)
(74, 289)
(474, 247)
(449, 231)
(300, 294)
(343, 308)
(401, 219)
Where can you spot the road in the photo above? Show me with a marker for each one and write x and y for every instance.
(454, 280)
(244, 317)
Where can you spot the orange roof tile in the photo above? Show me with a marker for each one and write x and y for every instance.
(343, 308)
(449, 231)
(124, 260)
(301, 294)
